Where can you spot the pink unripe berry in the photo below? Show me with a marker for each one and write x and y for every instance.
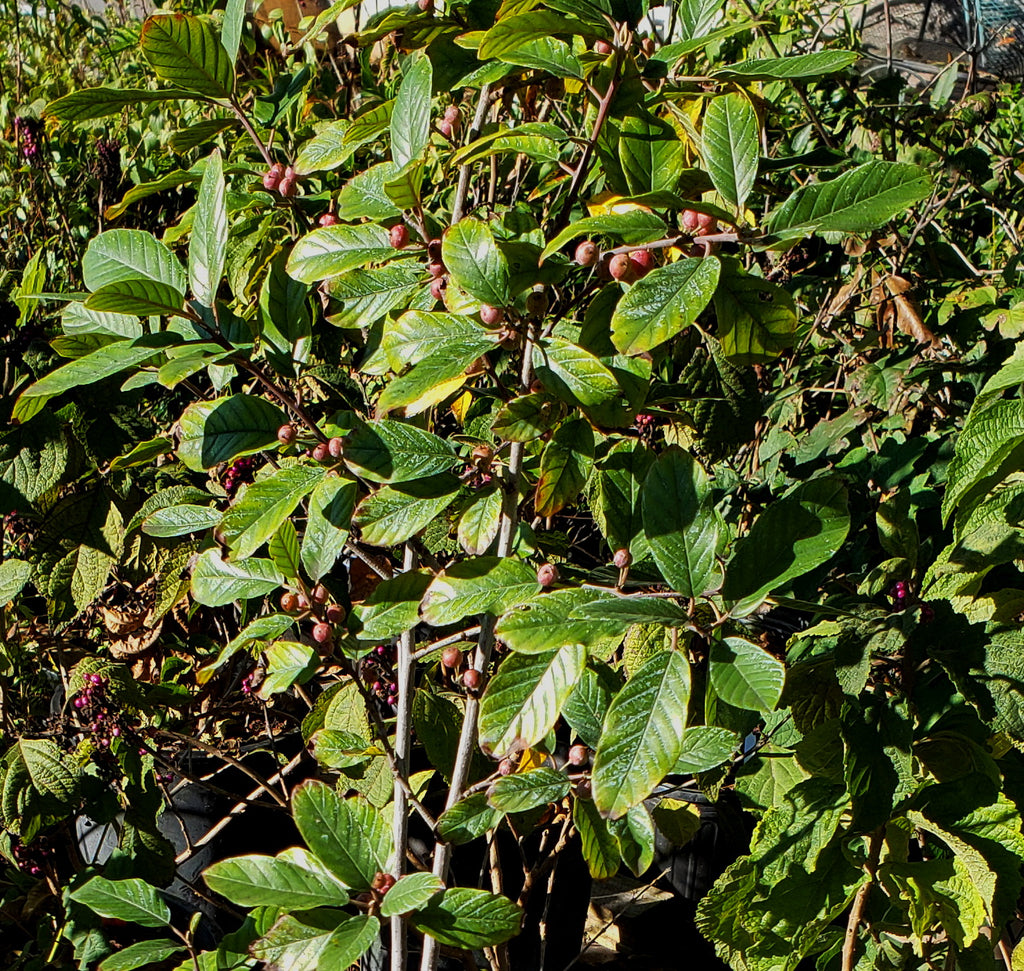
(706, 224)
(579, 755)
(620, 267)
(446, 129)
(452, 115)
(437, 288)
(547, 574)
(335, 447)
(602, 47)
(688, 220)
(328, 219)
(287, 188)
(491, 316)
(335, 614)
(451, 658)
(286, 434)
(320, 452)
(622, 559)
(273, 176)
(320, 594)
(436, 270)
(399, 236)
(322, 633)
(471, 679)
(426, 6)
(642, 262)
(587, 253)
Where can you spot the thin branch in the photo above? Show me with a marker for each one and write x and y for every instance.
(465, 170)
(860, 902)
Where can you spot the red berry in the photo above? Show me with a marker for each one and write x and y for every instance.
(620, 267)
(688, 220)
(622, 559)
(505, 767)
(328, 219)
(335, 447)
(587, 253)
(602, 47)
(451, 657)
(379, 881)
(399, 236)
(286, 434)
(446, 129)
(272, 176)
(471, 679)
(642, 261)
(452, 115)
(303, 602)
(426, 6)
(706, 224)
(289, 602)
(491, 316)
(335, 614)
(321, 594)
(437, 288)
(322, 633)
(287, 188)
(579, 755)
(320, 452)
(436, 269)
(547, 574)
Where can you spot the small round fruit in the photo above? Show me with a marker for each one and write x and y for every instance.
(399, 236)
(547, 574)
(491, 316)
(579, 755)
(273, 176)
(622, 559)
(537, 302)
(587, 253)
(335, 614)
(303, 602)
(620, 267)
(642, 261)
(688, 220)
(505, 767)
(335, 447)
(328, 219)
(287, 188)
(286, 434)
(427, 6)
(706, 224)
(437, 288)
(379, 881)
(289, 602)
(648, 46)
(471, 679)
(321, 594)
(602, 47)
(446, 128)
(322, 633)
(434, 251)
(452, 115)
(436, 269)
(483, 454)
(451, 657)
(320, 452)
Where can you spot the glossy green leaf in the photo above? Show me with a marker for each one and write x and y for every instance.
(468, 919)
(523, 700)
(91, 103)
(294, 880)
(141, 298)
(705, 748)
(756, 319)
(185, 50)
(14, 574)
(118, 255)
(634, 833)
(858, 201)
(216, 582)
(391, 451)
(435, 377)
(779, 68)
(288, 663)
(663, 304)
(680, 525)
(332, 250)
(731, 143)
(320, 939)
(793, 536)
(266, 504)
(511, 32)
(393, 514)
(468, 819)
(326, 150)
(410, 893)
(588, 702)
(599, 845)
(475, 263)
(143, 954)
(181, 520)
(485, 584)
(410, 118)
(745, 675)
(208, 245)
(574, 374)
(521, 791)
(131, 900)
(565, 465)
(331, 504)
(550, 621)
(548, 54)
(650, 153)
(392, 608)
(212, 432)
(525, 418)
(643, 733)
(620, 613)
(480, 522)
(348, 836)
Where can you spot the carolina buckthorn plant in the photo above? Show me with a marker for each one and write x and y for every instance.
(532, 423)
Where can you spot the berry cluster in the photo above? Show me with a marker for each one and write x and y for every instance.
(98, 711)
(240, 472)
(27, 132)
(451, 123)
(903, 597)
(377, 670)
(108, 165)
(17, 531)
(282, 178)
(31, 858)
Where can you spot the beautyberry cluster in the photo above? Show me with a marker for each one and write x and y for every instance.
(108, 164)
(31, 858)
(101, 716)
(27, 131)
(17, 531)
(240, 471)
(282, 178)
(377, 670)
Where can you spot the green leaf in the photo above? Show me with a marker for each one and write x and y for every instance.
(781, 68)
(678, 821)
(330, 513)
(332, 250)
(475, 263)
(186, 51)
(485, 584)
(525, 418)
(410, 118)
(546, 54)
(284, 550)
(620, 613)
(212, 432)
(391, 451)
(231, 30)
(643, 733)
(468, 819)
(52, 772)
(588, 702)
(144, 954)
(419, 334)
(288, 663)
(633, 227)
(550, 621)
(335, 749)
(434, 377)
(208, 245)
(348, 836)
(393, 607)
(216, 582)
(565, 465)
(393, 514)
(480, 522)
(705, 748)
(524, 790)
(858, 201)
(468, 919)
(132, 900)
(650, 153)
(267, 503)
(294, 880)
(326, 150)
(511, 32)
(410, 893)
(321, 939)
(635, 835)
(745, 675)
(91, 103)
(141, 298)
(793, 536)
(680, 524)
(574, 374)
(731, 142)
(664, 303)
(756, 319)
(524, 699)
(618, 479)
(180, 520)
(266, 628)
(14, 574)
(599, 845)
